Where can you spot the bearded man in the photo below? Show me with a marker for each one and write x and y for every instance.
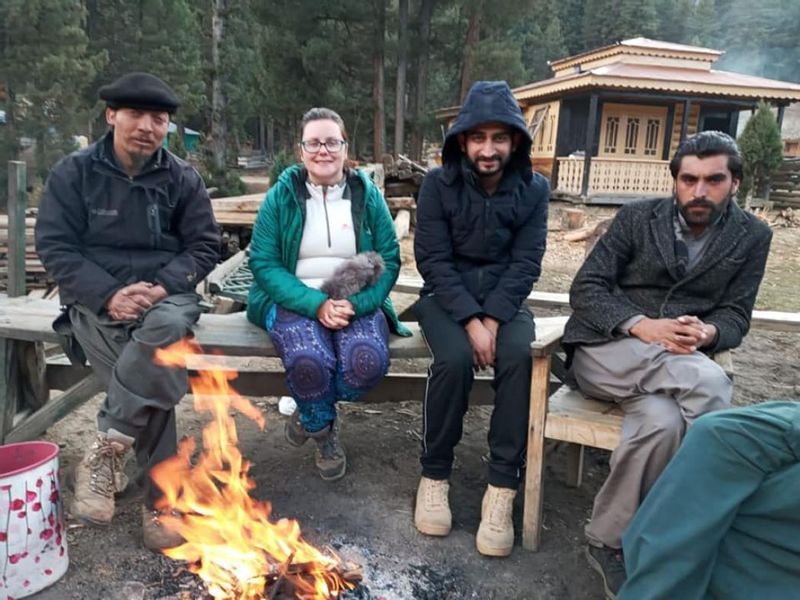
(672, 282)
(479, 242)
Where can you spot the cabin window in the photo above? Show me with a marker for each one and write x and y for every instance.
(632, 131)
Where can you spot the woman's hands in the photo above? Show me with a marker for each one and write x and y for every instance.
(335, 314)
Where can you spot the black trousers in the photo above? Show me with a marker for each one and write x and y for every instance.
(450, 378)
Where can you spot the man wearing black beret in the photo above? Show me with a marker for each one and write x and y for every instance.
(126, 230)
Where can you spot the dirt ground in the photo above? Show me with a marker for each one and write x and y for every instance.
(368, 516)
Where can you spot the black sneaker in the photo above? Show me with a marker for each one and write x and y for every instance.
(611, 566)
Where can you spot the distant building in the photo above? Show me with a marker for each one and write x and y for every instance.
(605, 126)
(191, 138)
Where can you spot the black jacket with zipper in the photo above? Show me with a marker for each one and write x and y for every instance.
(478, 254)
(99, 230)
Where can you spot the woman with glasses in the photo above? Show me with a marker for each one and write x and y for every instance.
(315, 217)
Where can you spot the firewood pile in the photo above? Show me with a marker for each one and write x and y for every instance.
(35, 275)
(402, 178)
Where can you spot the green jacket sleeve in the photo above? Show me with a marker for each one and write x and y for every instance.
(268, 268)
(384, 242)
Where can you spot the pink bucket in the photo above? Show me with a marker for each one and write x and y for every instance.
(33, 542)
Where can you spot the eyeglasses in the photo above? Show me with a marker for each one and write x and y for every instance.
(313, 146)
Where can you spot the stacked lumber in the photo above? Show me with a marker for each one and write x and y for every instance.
(785, 185)
(402, 176)
(35, 275)
(237, 210)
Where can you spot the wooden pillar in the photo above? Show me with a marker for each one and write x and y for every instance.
(781, 110)
(687, 110)
(17, 192)
(591, 129)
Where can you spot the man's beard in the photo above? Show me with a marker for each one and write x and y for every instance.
(501, 164)
(714, 210)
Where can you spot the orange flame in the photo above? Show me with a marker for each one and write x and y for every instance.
(230, 542)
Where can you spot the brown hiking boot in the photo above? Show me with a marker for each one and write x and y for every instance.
(330, 460)
(97, 478)
(294, 432)
(496, 532)
(432, 514)
(158, 536)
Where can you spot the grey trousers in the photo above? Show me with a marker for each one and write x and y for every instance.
(141, 395)
(660, 393)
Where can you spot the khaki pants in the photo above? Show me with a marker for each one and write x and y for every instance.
(661, 394)
(142, 395)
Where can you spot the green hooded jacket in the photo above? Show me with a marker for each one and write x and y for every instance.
(275, 247)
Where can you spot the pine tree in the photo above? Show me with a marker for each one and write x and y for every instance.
(762, 150)
(45, 65)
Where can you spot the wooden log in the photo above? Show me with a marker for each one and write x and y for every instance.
(578, 235)
(217, 277)
(403, 188)
(402, 223)
(30, 222)
(401, 203)
(573, 218)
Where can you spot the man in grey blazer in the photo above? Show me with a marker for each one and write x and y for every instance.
(671, 282)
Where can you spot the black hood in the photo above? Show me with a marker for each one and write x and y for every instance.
(489, 101)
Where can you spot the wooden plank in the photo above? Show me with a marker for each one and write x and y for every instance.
(534, 473)
(55, 409)
(572, 417)
(17, 199)
(8, 388)
(412, 285)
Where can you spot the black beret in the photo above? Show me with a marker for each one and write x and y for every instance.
(140, 90)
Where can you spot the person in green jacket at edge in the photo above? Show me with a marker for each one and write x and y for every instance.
(315, 218)
(723, 519)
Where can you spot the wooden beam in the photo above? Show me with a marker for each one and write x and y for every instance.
(55, 409)
(781, 111)
(589, 145)
(17, 200)
(687, 110)
(8, 388)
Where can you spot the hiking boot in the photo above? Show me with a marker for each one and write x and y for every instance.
(432, 514)
(293, 430)
(331, 460)
(97, 478)
(496, 532)
(158, 536)
(611, 566)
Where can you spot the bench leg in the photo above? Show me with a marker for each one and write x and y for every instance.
(9, 387)
(534, 474)
(574, 465)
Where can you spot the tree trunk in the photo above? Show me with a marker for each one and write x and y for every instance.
(379, 115)
(473, 35)
(270, 137)
(421, 87)
(219, 127)
(402, 64)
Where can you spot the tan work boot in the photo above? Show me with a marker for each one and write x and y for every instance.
(98, 477)
(156, 535)
(432, 514)
(331, 460)
(496, 532)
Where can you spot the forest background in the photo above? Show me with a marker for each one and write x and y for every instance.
(247, 69)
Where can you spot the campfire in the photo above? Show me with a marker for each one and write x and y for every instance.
(231, 543)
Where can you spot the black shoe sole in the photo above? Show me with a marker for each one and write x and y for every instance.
(599, 568)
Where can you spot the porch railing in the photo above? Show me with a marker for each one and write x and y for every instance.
(624, 176)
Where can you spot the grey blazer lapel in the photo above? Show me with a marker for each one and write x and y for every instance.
(722, 244)
(663, 231)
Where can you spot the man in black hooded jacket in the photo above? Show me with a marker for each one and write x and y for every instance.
(480, 237)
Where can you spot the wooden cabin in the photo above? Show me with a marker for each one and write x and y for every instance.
(630, 104)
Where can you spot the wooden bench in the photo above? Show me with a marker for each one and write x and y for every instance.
(26, 321)
(567, 415)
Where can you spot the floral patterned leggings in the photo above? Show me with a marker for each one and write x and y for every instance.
(324, 365)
